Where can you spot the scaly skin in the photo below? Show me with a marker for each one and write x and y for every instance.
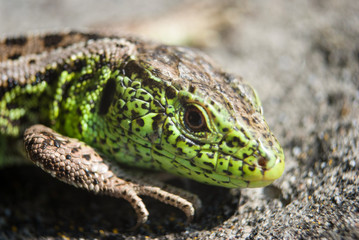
(137, 103)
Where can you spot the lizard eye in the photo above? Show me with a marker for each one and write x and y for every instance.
(194, 119)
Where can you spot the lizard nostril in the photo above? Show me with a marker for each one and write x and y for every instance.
(262, 162)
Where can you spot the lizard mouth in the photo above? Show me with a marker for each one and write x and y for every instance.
(257, 172)
(231, 171)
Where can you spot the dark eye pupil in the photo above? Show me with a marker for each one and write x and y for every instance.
(194, 119)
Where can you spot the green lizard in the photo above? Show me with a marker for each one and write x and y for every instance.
(103, 102)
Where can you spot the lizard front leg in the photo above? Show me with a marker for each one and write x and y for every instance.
(78, 164)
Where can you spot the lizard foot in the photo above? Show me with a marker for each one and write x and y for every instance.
(78, 164)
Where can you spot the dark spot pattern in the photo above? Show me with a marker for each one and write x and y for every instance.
(52, 40)
(107, 96)
(19, 41)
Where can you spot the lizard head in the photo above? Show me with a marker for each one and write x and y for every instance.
(201, 123)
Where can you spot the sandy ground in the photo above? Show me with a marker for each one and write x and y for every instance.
(302, 56)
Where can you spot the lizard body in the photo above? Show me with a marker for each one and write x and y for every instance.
(121, 100)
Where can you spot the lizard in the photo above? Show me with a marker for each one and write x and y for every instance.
(93, 108)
